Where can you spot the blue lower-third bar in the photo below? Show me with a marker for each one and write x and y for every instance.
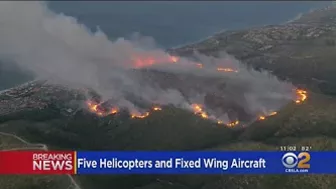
(227, 162)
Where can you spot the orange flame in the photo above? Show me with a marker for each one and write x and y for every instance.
(141, 116)
(199, 111)
(92, 106)
(140, 62)
(301, 96)
(143, 62)
(204, 115)
(232, 124)
(146, 114)
(174, 59)
(156, 108)
(197, 108)
(226, 70)
(265, 116)
(262, 118)
(114, 110)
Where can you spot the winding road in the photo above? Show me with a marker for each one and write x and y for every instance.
(37, 146)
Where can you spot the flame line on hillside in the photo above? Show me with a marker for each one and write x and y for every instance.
(150, 61)
(196, 108)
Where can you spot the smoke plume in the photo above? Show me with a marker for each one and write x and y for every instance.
(58, 48)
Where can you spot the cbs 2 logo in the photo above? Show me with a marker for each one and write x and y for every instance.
(290, 160)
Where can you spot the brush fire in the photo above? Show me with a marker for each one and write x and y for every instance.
(151, 61)
(197, 109)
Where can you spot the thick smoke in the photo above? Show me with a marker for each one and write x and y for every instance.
(58, 48)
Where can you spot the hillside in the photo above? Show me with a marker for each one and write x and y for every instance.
(40, 113)
(301, 51)
(311, 123)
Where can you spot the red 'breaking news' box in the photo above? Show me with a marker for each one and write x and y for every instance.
(37, 162)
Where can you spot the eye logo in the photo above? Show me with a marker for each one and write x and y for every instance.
(290, 160)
